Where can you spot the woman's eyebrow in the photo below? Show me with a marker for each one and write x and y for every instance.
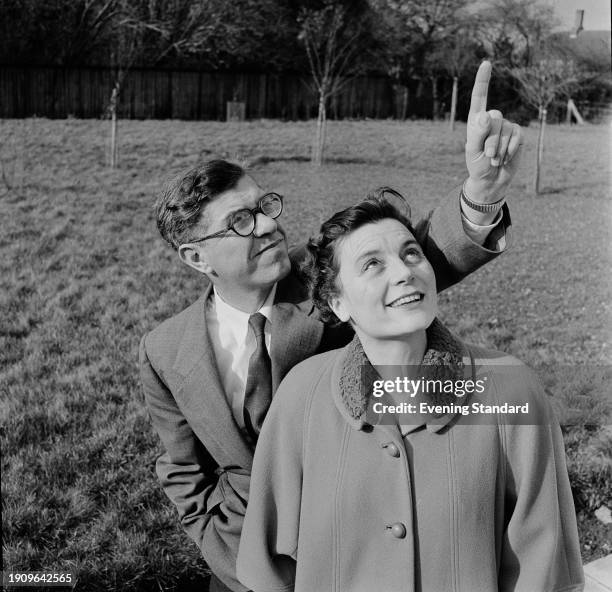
(376, 251)
(367, 254)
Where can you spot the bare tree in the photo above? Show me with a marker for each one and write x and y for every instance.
(516, 29)
(457, 54)
(419, 30)
(128, 31)
(88, 28)
(540, 84)
(176, 27)
(331, 45)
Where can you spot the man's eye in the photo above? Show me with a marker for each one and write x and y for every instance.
(240, 216)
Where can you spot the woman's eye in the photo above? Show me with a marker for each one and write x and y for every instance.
(413, 255)
(371, 264)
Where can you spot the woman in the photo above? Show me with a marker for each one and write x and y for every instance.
(345, 497)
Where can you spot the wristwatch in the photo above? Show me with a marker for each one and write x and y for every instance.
(479, 207)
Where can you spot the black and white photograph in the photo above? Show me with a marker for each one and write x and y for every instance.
(306, 295)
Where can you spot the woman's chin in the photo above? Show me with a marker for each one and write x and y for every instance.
(413, 321)
(398, 328)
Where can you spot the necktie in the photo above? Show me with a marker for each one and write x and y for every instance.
(258, 391)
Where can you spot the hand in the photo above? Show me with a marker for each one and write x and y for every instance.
(493, 145)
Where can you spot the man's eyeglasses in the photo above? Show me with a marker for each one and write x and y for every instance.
(243, 222)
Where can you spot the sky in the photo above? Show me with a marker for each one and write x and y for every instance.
(596, 13)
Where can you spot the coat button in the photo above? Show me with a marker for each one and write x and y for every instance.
(398, 530)
(392, 450)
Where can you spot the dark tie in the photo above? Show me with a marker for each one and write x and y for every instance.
(258, 391)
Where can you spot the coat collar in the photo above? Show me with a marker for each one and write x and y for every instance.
(445, 359)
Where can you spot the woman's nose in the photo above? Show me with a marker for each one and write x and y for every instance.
(264, 224)
(400, 272)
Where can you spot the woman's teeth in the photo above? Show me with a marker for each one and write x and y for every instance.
(407, 299)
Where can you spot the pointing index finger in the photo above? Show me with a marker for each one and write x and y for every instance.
(481, 88)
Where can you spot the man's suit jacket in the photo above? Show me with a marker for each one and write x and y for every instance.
(206, 464)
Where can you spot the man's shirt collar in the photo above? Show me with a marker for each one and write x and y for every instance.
(236, 321)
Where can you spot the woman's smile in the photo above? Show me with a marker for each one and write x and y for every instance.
(412, 299)
(386, 286)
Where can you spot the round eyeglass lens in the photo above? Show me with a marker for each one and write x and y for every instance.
(243, 222)
(272, 205)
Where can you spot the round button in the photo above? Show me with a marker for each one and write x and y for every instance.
(392, 450)
(398, 530)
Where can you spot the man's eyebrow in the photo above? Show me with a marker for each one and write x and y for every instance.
(238, 208)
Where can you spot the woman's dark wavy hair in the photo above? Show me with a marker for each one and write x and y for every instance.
(321, 267)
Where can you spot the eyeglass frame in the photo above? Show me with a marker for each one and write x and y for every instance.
(253, 212)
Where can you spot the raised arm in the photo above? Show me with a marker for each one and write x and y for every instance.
(492, 154)
(460, 237)
(471, 226)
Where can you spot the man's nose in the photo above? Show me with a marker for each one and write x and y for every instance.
(264, 224)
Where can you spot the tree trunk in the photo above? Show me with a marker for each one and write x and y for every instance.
(113, 112)
(453, 113)
(400, 95)
(319, 141)
(539, 150)
(435, 100)
(405, 96)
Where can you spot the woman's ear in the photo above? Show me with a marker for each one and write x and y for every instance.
(193, 256)
(337, 304)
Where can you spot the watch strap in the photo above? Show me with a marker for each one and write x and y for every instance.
(480, 207)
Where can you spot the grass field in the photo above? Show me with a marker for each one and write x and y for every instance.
(84, 274)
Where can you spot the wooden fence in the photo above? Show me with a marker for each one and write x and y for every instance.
(163, 94)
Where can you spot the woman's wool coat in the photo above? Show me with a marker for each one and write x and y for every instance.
(338, 504)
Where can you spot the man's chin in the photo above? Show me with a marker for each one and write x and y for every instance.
(275, 271)
(284, 267)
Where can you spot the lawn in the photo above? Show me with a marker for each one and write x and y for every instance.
(84, 274)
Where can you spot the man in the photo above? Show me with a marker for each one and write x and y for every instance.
(209, 372)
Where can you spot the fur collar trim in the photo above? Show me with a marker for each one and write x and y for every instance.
(443, 360)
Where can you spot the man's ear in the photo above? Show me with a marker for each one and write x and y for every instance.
(336, 303)
(193, 256)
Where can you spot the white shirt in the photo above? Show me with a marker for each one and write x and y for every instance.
(233, 345)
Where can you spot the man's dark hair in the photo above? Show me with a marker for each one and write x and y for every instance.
(181, 203)
(322, 266)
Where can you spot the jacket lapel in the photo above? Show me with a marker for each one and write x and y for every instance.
(201, 395)
(296, 331)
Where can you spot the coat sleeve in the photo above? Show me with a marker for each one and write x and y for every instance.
(268, 546)
(449, 249)
(210, 503)
(540, 548)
